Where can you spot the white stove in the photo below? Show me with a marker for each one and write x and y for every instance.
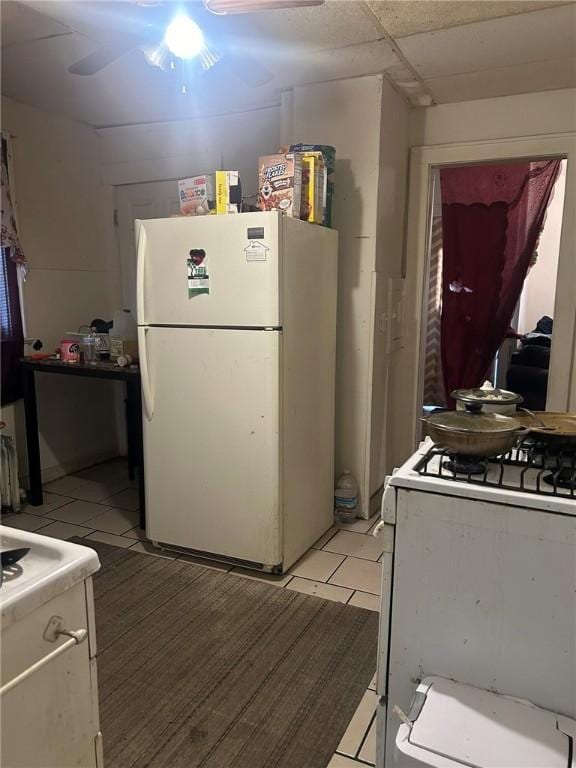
(48, 569)
(523, 477)
(482, 587)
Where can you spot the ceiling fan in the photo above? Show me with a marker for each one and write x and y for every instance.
(173, 35)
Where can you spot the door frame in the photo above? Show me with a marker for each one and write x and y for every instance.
(562, 383)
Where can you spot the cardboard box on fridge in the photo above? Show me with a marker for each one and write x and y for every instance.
(211, 193)
(329, 154)
(228, 192)
(196, 195)
(280, 183)
(313, 187)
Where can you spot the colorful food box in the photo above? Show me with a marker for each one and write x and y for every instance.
(228, 192)
(211, 193)
(197, 196)
(329, 154)
(280, 183)
(313, 187)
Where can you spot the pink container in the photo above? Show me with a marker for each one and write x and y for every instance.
(70, 350)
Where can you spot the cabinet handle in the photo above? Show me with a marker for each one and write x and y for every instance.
(76, 637)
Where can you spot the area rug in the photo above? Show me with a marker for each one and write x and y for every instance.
(198, 667)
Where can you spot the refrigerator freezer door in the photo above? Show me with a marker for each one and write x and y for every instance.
(211, 447)
(209, 270)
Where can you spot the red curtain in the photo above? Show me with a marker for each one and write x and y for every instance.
(491, 220)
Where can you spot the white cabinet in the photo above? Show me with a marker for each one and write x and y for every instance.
(50, 719)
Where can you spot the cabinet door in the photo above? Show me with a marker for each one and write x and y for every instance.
(50, 719)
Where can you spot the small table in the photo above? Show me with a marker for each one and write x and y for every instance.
(100, 370)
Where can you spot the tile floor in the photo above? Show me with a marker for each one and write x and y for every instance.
(345, 564)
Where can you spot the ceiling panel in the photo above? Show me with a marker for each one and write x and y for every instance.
(523, 78)
(408, 17)
(368, 58)
(335, 24)
(529, 37)
(21, 23)
(129, 90)
(340, 39)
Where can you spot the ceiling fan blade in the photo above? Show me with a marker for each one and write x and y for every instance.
(223, 7)
(249, 70)
(102, 57)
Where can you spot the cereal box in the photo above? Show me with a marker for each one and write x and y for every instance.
(329, 154)
(280, 183)
(211, 193)
(313, 187)
(228, 192)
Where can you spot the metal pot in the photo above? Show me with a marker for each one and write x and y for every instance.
(473, 432)
(492, 400)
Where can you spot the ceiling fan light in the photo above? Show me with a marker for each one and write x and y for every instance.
(208, 58)
(157, 55)
(222, 7)
(184, 37)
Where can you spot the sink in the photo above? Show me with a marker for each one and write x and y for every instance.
(51, 567)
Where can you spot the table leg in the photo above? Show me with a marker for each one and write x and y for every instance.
(32, 438)
(130, 432)
(134, 395)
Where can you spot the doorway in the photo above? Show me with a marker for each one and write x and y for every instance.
(407, 381)
(507, 345)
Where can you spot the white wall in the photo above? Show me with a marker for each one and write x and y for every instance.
(367, 123)
(527, 114)
(393, 169)
(369, 214)
(176, 150)
(539, 291)
(329, 113)
(65, 223)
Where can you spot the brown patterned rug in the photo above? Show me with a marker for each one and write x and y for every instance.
(202, 668)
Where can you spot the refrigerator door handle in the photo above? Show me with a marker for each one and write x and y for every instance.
(140, 252)
(147, 397)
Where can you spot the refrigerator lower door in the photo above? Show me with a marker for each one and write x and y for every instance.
(211, 446)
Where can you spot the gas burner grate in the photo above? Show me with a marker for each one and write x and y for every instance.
(543, 469)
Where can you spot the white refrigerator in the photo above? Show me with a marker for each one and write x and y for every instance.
(237, 343)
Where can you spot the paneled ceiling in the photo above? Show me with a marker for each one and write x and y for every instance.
(433, 51)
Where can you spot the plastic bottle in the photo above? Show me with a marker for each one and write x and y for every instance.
(123, 333)
(89, 347)
(346, 497)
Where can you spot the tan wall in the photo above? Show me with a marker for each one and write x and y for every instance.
(369, 213)
(527, 114)
(176, 150)
(394, 151)
(366, 122)
(66, 230)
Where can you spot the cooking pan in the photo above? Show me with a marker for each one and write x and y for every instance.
(473, 432)
(556, 425)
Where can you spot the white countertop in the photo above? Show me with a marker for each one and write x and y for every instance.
(51, 567)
